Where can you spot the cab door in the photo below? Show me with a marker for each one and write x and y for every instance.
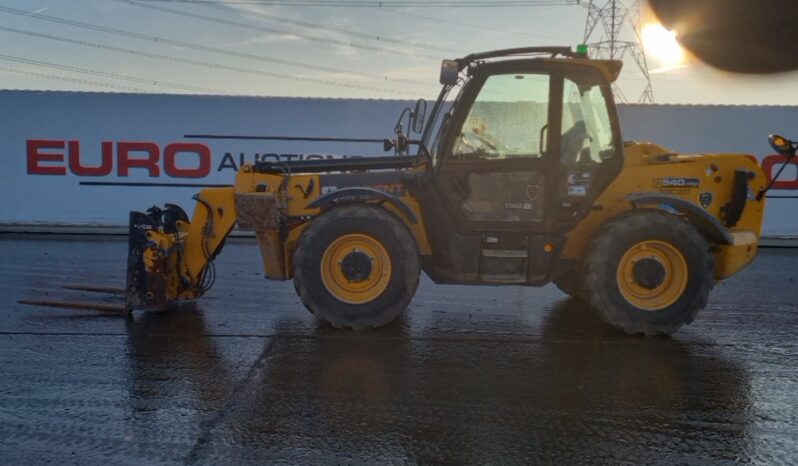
(529, 148)
(591, 153)
(499, 160)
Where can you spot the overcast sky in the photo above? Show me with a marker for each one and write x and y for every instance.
(237, 47)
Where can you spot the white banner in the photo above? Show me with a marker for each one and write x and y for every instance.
(89, 158)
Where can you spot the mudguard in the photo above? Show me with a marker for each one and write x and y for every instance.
(708, 225)
(364, 194)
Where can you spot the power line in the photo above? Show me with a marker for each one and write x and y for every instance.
(75, 69)
(204, 48)
(74, 80)
(323, 40)
(392, 4)
(200, 63)
(226, 5)
(461, 23)
(182, 60)
(306, 24)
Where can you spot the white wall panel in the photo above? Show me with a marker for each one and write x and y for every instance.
(89, 120)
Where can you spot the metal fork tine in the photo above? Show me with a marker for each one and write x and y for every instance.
(111, 308)
(95, 289)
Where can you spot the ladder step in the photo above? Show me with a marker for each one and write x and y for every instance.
(509, 253)
(503, 277)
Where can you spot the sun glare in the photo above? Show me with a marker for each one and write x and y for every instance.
(661, 44)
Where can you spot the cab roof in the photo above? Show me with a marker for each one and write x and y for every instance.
(610, 68)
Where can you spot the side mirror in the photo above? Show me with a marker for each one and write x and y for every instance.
(781, 145)
(418, 115)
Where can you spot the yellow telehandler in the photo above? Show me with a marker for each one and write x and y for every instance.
(522, 178)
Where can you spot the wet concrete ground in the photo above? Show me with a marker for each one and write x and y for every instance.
(469, 375)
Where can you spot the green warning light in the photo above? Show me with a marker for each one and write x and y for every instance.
(581, 49)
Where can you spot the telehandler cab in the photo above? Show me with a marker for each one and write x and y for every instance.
(522, 179)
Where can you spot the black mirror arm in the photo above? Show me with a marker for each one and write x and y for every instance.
(762, 193)
(401, 144)
(422, 149)
(398, 129)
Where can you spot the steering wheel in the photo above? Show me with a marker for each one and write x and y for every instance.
(479, 144)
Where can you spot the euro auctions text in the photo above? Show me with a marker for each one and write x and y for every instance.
(122, 158)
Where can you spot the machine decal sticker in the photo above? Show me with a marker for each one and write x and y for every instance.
(578, 183)
(676, 182)
(532, 192)
(578, 177)
(388, 182)
(705, 199)
(577, 190)
(518, 205)
(306, 192)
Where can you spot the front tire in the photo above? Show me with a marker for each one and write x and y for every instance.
(648, 272)
(356, 266)
(571, 283)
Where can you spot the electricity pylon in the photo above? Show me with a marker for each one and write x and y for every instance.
(605, 42)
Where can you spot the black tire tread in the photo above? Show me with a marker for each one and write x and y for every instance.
(571, 283)
(409, 254)
(598, 287)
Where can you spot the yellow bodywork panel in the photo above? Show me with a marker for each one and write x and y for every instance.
(160, 262)
(703, 180)
(214, 217)
(175, 262)
(271, 249)
(292, 194)
(730, 259)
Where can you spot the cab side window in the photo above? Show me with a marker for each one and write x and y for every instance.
(587, 136)
(507, 120)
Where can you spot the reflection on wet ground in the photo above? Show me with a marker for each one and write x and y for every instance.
(469, 375)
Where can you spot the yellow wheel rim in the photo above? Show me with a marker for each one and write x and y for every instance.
(356, 268)
(652, 275)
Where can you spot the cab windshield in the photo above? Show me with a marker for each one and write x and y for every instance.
(507, 119)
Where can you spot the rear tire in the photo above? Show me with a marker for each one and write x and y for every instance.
(648, 272)
(356, 266)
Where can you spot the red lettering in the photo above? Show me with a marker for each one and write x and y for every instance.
(125, 162)
(170, 160)
(44, 155)
(769, 166)
(35, 157)
(105, 167)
